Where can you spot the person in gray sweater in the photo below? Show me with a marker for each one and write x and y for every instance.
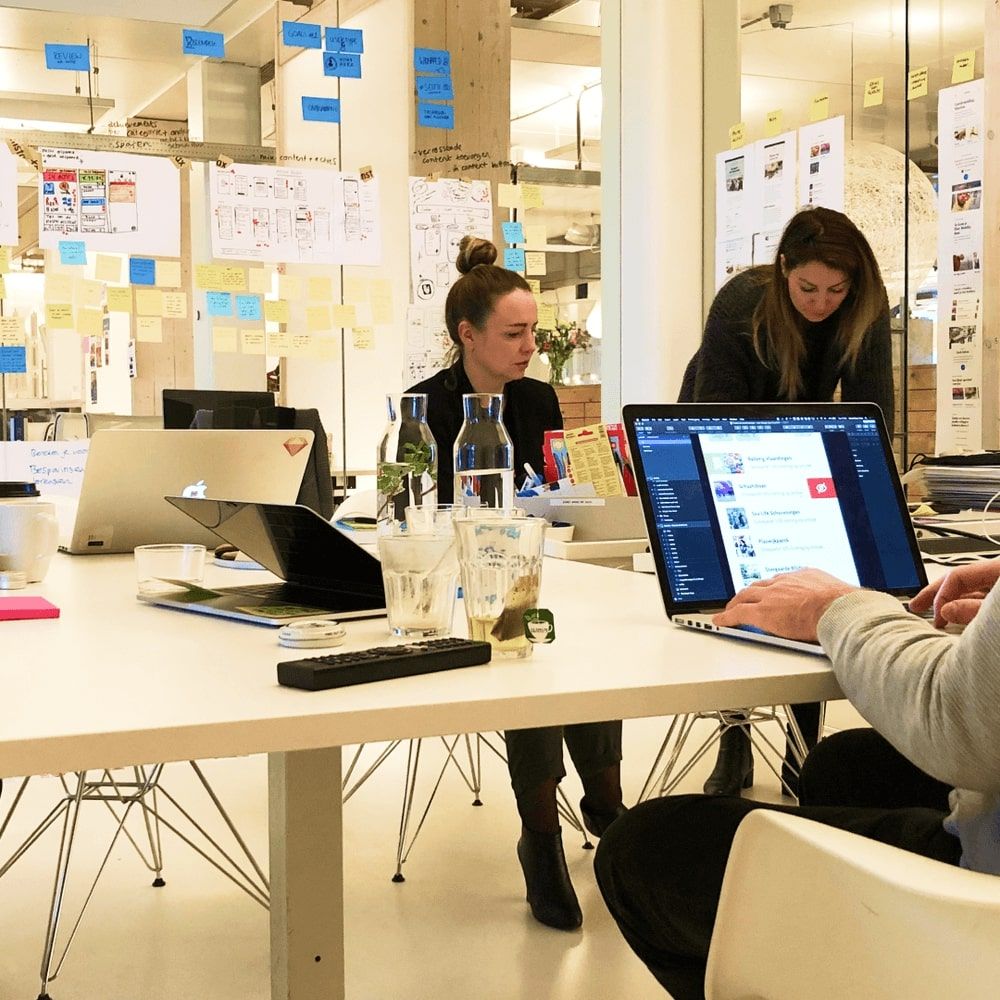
(926, 778)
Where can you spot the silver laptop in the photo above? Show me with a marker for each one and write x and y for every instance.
(734, 493)
(129, 472)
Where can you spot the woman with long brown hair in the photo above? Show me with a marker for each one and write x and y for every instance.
(794, 331)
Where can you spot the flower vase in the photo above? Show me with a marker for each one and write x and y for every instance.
(406, 462)
(557, 372)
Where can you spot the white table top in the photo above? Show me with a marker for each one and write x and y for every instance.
(115, 682)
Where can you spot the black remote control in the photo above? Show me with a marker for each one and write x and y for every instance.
(365, 665)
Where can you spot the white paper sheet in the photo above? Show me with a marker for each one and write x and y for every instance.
(8, 198)
(821, 164)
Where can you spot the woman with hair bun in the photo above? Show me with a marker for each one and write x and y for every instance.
(793, 331)
(491, 314)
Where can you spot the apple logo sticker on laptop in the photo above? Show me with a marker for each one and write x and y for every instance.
(196, 491)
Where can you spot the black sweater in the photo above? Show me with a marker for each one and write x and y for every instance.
(530, 409)
(726, 367)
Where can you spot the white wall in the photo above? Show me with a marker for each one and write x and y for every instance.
(651, 180)
(376, 125)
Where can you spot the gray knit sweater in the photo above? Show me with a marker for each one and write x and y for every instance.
(935, 697)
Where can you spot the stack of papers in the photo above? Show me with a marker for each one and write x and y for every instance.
(960, 487)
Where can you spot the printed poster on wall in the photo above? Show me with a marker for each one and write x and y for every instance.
(294, 215)
(441, 213)
(821, 164)
(775, 164)
(960, 277)
(735, 212)
(111, 201)
(8, 198)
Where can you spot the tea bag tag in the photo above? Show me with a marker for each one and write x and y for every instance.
(539, 625)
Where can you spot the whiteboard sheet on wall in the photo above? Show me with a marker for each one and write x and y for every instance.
(294, 215)
(441, 213)
(111, 201)
(55, 467)
(8, 198)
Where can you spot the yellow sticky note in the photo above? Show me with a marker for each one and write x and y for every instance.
(534, 236)
(224, 340)
(535, 285)
(531, 196)
(874, 92)
(149, 329)
(819, 108)
(59, 316)
(355, 289)
(381, 301)
(773, 122)
(279, 343)
(252, 341)
(58, 288)
(4, 260)
(344, 316)
(107, 267)
(234, 279)
(12, 331)
(916, 83)
(258, 280)
(208, 276)
(318, 318)
(363, 338)
(303, 345)
(534, 262)
(88, 293)
(168, 273)
(546, 316)
(120, 300)
(319, 290)
(175, 305)
(89, 322)
(509, 195)
(737, 135)
(148, 302)
(289, 287)
(276, 312)
(963, 69)
(327, 348)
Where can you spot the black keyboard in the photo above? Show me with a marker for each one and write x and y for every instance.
(381, 663)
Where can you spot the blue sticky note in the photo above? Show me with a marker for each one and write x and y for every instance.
(513, 232)
(72, 252)
(203, 43)
(219, 303)
(435, 115)
(303, 36)
(432, 61)
(13, 359)
(513, 259)
(75, 57)
(141, 271)
(345, 40)
(320, 109)
(346, 64)
(248, 307)
(435, 88)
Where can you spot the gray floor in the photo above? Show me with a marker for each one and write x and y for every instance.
(457, 928)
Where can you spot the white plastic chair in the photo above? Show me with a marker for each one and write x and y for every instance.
(812, 911)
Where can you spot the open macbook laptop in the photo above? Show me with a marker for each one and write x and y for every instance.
(734, 493)
(128, 473)
(325, 574)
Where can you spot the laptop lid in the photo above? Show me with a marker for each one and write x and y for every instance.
(325, 571)
(128, 473)
(738, 492)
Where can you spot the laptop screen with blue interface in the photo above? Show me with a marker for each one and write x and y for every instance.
(734, 494)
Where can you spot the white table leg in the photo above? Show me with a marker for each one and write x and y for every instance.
(307, 875)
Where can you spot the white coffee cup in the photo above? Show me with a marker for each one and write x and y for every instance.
(29, 537)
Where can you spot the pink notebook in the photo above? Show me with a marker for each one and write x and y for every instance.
(12, 608)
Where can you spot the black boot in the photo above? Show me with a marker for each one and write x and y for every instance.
(549, 891)
(597, 822)
(733, 769)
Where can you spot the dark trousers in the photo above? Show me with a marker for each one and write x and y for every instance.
(660, 866)
(535, 755)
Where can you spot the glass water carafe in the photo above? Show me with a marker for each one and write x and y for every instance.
(406, 464)
(484, 454)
